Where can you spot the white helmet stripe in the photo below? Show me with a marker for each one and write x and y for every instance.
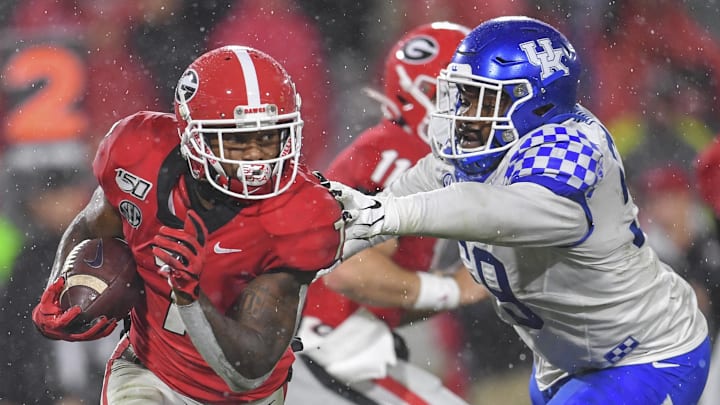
(252, 87)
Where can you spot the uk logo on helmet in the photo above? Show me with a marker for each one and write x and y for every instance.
(187, 86)
(550, 60)
(419, 50)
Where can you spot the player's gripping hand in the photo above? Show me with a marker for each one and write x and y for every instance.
(54, 323)
(364, 215)
(183, 251)
(366, 220)
(335, 188)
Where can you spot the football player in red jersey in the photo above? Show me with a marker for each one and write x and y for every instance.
(227, 226)
(349, 355)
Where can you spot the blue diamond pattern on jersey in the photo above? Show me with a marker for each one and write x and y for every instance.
(621, 350)
(560, 153)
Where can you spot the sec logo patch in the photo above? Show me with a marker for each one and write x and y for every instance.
(131, 213)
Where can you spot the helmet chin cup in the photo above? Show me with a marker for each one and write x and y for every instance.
(254, 174)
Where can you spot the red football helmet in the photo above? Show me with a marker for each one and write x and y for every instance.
(231, 90)
(411, 69)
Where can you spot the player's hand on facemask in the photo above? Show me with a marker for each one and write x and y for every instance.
(54, 323)
(183, 251)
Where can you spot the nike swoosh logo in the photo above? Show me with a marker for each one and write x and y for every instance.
(657, 364)
(374, 206)
(97, 262)
(221, 250)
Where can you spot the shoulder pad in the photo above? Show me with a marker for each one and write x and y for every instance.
(562, 154)
(130, 139)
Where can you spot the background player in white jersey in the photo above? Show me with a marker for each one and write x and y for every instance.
(351, 354)
(532, 185)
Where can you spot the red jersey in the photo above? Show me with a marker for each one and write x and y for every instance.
(378, 156)
(140, 168)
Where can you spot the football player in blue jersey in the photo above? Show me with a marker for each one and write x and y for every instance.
(533, 187)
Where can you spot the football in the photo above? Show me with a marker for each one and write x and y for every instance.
(101, 278)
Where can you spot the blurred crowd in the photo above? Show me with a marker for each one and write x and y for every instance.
(70, 68)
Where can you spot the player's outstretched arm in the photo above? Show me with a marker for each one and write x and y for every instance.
(470, 292)
(373, 278)
(465, 211)
(244, 345)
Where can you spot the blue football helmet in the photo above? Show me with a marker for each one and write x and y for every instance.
(507, 77)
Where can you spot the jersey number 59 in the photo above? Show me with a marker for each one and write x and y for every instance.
(493, 275)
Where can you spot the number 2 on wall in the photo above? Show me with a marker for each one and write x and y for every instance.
(49, 113)
(493, 275)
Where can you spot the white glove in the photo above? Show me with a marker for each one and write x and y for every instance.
(367, 222)
(364, 215)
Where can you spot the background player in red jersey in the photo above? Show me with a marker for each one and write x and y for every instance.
(227, 227)
(349, 355)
